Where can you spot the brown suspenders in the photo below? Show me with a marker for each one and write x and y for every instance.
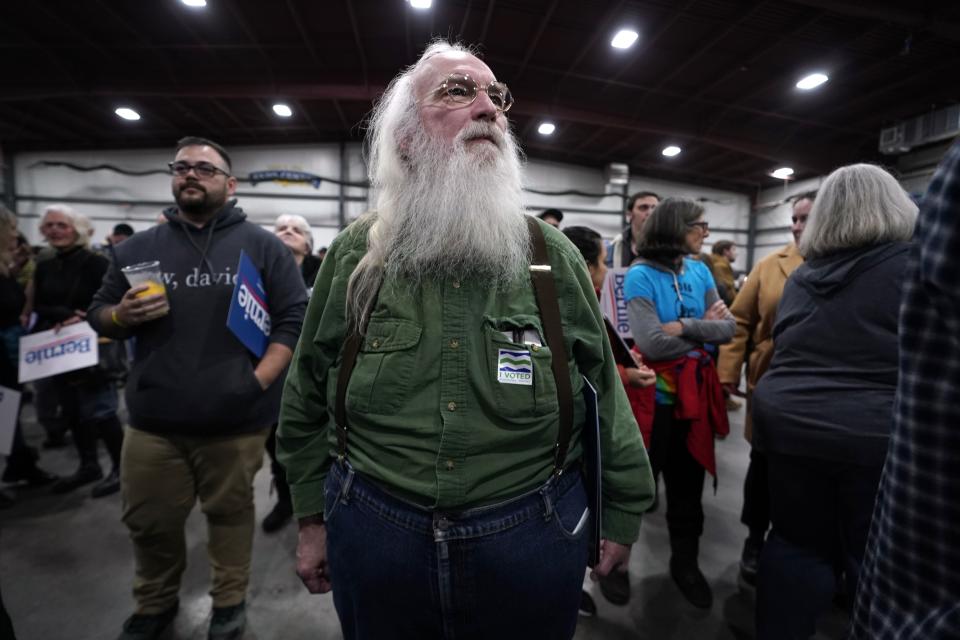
(546, 295)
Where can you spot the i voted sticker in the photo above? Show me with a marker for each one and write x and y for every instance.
(514, 367)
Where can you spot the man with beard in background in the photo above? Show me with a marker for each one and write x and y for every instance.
(201, 404)
(425, 470)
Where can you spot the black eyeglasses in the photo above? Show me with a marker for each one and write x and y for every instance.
(202, 169)
(461, 89)
(703, 224)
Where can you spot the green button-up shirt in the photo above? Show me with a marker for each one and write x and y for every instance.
(431, 415)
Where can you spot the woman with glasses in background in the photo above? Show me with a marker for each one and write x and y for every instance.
(674, 310)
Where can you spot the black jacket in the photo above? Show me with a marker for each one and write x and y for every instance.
(829, 391)
(190, 374)
(64, 283)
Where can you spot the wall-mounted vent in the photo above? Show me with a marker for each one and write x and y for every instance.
(617, 173)
(930, 127)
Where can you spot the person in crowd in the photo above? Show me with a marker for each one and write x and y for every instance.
(822, 412)
(322, 253)
(23, 265)
(200, 403)
(615, 586)
(552, 217)
(62, 288)
(674, 309)
(910, 576)
(294, 231)
(454, 505)
(724, 255)
(120, 232)
(22, 461)
(755, 310)
(639, 207)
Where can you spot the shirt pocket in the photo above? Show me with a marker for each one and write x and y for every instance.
(517, 398)
(385, 366)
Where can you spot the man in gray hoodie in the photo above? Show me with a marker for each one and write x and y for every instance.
(200, 403)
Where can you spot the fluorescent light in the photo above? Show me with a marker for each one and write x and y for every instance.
(812, 81)
(671, 151)
(782, 173)
(421, 4)
(282, 110)
(546, 128)
(194, 3)
(624, 39)
(127, 114)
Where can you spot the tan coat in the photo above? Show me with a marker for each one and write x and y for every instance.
(755, 310)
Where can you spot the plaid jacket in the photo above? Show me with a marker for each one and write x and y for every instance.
(910, 580)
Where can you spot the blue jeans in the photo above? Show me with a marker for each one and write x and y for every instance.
(512, 570)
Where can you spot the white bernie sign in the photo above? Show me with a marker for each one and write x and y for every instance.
(51, 352)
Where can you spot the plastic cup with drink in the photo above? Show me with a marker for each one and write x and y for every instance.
(146, 273)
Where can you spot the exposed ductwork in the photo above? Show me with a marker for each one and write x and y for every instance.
(935, 126)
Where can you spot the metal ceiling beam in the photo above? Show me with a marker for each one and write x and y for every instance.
(803, 159)
(292, 9)
(603, 26)
(466, 17)
(294, 90)
(251, 36)
(535, 40)
(902, 13)
(486, 21)
(231, 116)
(359, 42)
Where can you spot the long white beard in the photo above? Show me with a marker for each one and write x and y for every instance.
(458, 212)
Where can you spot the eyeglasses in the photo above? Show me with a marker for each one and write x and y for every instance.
(461, 89)
(202, 169)
(799, 219)
(703, 224)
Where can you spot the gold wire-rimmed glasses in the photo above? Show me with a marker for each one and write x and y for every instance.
(460, 89)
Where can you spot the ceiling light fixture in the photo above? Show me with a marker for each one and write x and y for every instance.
(671, 151)
(195, 3)
(546, 128)
(282, 110)
(421, 4)
(812, 81)
(624, 39)
(127, 113)
(783, 173)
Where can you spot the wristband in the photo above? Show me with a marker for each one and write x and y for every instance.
(316, 518)
(116, 320)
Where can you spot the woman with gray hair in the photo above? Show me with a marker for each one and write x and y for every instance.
(822, 413)
(294, 231)
(63, 288)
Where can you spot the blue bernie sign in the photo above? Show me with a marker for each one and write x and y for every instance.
(249, 315)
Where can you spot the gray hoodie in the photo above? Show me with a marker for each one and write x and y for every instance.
(190, 374)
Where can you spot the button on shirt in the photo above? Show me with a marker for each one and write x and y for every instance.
(440, 407)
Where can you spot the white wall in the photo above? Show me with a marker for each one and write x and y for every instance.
(144, 197)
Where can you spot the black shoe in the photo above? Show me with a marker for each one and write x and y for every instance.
(33, 476)
(228, 623)
(615, 587)
(691, 582)
(84, 475)
(588, 608)
(278, 517)
(110, 484)
(750, 561)
(147, 627)
(55, 442)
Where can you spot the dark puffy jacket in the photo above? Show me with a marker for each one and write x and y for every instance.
(829, 391)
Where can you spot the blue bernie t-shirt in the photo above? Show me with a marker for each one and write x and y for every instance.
(694, 280)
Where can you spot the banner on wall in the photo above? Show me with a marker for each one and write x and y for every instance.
(49, 353)
(285, 176)
(612, 302)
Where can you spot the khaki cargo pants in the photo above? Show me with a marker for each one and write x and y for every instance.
(162, 477)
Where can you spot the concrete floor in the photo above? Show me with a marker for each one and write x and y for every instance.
(66, 567)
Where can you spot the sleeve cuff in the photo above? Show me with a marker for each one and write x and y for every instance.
(308, 498)
(619, 526)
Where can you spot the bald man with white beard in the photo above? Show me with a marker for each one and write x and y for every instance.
(421, 414)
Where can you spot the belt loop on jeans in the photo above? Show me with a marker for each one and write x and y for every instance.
(546, 494)
(347, 481)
